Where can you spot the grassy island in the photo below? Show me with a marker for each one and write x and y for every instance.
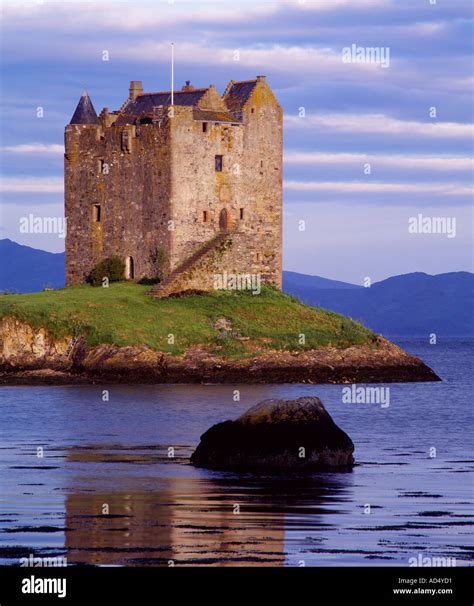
(231, 323)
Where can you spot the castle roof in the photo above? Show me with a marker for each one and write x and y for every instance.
(238, 93)
(235, 97)
(146, 101)
(85, 112)
(212, 115)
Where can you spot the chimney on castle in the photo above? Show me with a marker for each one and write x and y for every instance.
(187, 87)
(261, 79)
(136, 88)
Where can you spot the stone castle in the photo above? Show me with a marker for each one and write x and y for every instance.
(182, 186)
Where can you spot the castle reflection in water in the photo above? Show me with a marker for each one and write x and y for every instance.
(214, 519)
(166, 529)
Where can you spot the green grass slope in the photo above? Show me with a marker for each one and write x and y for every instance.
(124, 315)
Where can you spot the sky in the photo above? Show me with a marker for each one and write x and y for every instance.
(374, 140)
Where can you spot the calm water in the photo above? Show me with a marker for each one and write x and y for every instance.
(115, 454)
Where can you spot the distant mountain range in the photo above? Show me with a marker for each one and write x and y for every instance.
(25, 269)
(304, 284)
(415, 304)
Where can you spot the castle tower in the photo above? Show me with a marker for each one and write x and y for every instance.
(186, 191)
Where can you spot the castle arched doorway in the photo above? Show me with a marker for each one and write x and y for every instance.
(129, 268)
(224, 220)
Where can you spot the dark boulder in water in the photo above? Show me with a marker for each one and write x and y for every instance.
(277, 435)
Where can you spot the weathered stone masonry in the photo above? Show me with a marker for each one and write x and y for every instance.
(199, 181)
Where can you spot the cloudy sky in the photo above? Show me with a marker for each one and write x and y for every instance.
(366, 146)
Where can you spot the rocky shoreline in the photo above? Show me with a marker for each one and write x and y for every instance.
(28, 356)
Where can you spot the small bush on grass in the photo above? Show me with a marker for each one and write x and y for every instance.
(112, 268)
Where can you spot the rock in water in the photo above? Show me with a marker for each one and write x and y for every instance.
(277, 435)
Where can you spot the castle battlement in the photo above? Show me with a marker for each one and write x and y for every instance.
(159, 181)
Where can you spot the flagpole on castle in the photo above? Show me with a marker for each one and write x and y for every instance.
(172, 74)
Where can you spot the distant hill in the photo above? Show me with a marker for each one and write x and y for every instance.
(26, 269)
(415, 304)
(407, 305)
(303, 283)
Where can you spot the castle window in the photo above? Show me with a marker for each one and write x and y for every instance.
(241, 215)
(96, 213)
(205, 216)
(257, 257)
(101, 166)
(204, 127)
(218, 162)
(252, 111)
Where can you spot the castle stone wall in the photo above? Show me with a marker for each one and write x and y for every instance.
(129, 177)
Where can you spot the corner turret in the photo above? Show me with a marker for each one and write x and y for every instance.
(85, 112)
